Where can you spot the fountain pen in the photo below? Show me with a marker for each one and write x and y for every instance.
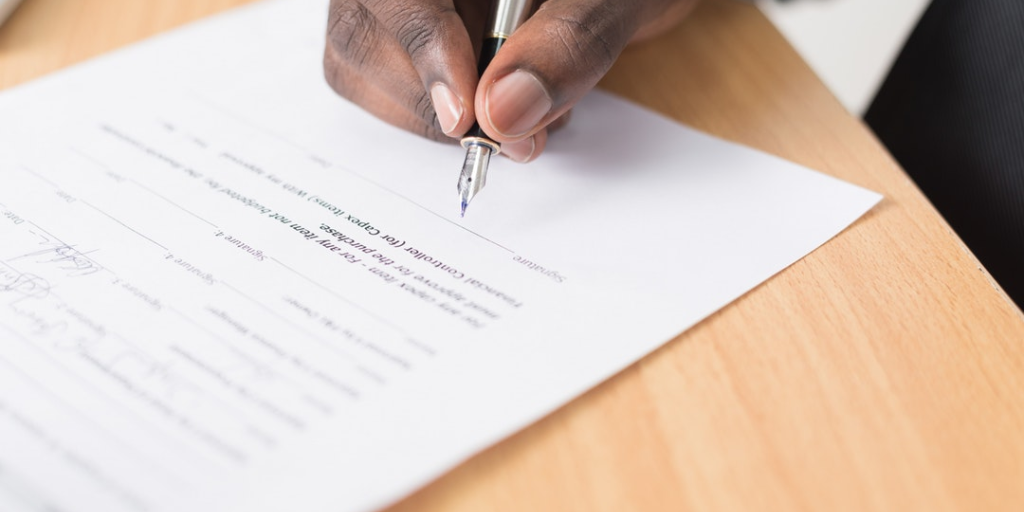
(505, 18)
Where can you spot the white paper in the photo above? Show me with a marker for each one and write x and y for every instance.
(224, 288)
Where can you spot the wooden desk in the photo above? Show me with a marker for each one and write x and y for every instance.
(883, 372)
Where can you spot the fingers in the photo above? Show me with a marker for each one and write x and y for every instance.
(416, 53)
(434, 37)
(558, 55)
(550, 62)
(411, 63)
(350, 84)
(526, 150)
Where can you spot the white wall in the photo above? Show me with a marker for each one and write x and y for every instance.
(850, 43)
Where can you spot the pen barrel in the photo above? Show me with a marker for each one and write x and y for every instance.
(487, 52)
(506, 16)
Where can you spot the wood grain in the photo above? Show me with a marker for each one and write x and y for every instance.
(883, 372)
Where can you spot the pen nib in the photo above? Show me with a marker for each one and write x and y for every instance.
(474, 171)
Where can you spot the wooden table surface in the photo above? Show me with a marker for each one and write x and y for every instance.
(885, 371)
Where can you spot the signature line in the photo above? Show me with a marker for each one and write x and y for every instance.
(129, 228)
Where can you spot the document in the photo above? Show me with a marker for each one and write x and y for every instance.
(223, 288)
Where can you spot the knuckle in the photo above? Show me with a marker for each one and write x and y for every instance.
(587, 38)
(417, 27)
(423, 107)
(350, 31)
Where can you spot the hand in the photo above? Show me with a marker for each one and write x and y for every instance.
(412, 62)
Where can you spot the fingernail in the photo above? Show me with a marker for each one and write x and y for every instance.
(516, 103)
(520, 151)
(447, 106)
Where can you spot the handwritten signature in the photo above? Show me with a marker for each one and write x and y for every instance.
(66, 257)
(28, 286)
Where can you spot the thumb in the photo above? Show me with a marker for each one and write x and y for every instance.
(551, 62)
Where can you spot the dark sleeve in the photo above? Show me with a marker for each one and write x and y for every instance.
(952, 113)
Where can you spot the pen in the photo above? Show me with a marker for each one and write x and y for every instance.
(505, 18)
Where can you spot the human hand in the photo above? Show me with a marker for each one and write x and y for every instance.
(412, 62)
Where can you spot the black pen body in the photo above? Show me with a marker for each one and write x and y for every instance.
(488, 51)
